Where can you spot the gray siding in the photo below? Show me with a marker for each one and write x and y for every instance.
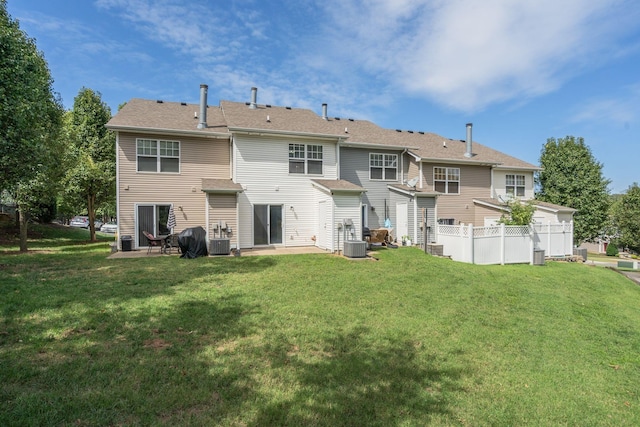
(354, 167)
(415, 212)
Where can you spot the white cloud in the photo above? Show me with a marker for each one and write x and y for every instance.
(621, 110)
(467, 54)
(461, 54)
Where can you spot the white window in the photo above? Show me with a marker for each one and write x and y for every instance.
(515, 185)
(158, 156)
(305, 159)
(446, 180)
(383, 166)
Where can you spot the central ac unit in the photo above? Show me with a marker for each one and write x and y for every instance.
(355, 249)
(219, 246)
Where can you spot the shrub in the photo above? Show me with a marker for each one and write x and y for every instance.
(612, 250)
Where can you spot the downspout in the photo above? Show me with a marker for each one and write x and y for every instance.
(402, 180)
(493, 193)
(421, 175)
(231, 158)
(206, 215)
(415, 219)
(118, 192)
(338, 166)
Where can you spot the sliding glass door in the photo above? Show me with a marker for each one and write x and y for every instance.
(267, 225)
(153, 219)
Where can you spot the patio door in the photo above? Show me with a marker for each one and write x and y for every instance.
(267, 225)
(151, 218)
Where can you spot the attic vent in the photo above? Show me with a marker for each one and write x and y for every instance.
(337, 118)
(421, 133)
(159, 101)
(350, 120)
(398, 130)
(410, 131)
(183, 103)
(288, 108)
(268, 105)
(247, 103)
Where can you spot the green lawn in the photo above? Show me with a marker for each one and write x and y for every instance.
(311, 340)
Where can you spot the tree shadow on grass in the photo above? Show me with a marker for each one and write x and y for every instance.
(129, 369)
(355, 379)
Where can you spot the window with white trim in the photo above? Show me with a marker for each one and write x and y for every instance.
(383, 167)
(305, 159)
(155, 155)
(446, 180)
(515, 185)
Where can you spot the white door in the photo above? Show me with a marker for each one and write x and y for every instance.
(323, 226)
(402, 219)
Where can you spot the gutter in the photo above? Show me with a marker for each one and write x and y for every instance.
(291, 134)
(175, 132)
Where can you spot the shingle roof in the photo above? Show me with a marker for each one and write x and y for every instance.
(338, 185)
(166, 116)
(418, 192)
(220, 186)
(275, 119)
(553, 207)
(179, 117)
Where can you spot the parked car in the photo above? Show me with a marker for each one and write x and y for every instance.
(109, 227)
(80, 222)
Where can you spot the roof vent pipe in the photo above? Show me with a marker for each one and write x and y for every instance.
(469, 151)
(254, 98)
(324, 112)
(202, 124)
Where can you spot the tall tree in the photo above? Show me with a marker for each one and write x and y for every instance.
(90, 182)
(30, 117)
(572, 177)
(626, 218)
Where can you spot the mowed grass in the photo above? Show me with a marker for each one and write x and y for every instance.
(313, 340)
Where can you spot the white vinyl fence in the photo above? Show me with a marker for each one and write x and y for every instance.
(504, 244)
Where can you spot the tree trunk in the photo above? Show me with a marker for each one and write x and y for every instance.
(92, 216)
(23, 231)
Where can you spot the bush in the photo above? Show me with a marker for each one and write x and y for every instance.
(612, 250)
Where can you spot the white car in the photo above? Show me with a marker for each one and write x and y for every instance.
(109, 227)
(80, 222)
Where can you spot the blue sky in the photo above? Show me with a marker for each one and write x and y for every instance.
(521, 71)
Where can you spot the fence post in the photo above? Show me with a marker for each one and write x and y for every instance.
(549, 237)
(531, 243)
(471, 243)
(502, 246)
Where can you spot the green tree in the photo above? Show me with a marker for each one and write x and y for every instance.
(90, 180)
(572, 177)
(626, 218)
(520, 213)
(30, 118)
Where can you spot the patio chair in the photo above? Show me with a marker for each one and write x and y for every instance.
(153, 241)
(171, 243)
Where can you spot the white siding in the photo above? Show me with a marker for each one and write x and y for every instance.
(262, 168)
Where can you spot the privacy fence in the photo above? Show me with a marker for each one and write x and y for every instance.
(505, 244)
